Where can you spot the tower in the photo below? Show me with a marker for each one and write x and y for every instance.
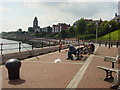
(35, 23)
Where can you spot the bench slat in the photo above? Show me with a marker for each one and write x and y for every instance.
(110, 59)
(106, 68)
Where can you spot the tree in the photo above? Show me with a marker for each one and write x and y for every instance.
(19, 31)
(91, 28)
(31, 30)
(49, 30)
(81, 26)
(64, 34)
(72, 31)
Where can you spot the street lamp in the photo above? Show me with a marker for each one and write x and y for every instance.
(109, 34)
(96, 31)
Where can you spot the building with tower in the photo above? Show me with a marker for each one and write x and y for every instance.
(35, 27)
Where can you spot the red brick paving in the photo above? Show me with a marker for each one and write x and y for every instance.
(41, 74)
(93, 77)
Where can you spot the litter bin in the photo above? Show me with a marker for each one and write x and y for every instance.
(13, 66)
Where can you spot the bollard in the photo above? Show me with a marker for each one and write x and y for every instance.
(105, 44)
(111, 44)
(117, 44)
(13, 66)
(100, 43)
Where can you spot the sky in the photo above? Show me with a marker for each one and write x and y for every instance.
(15, 14)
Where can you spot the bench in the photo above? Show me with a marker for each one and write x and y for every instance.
(109, 70)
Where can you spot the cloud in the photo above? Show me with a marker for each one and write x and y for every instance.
(59, 0)
(3, 8)
(50, 13)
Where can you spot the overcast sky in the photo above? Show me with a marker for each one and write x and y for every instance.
(15, 15)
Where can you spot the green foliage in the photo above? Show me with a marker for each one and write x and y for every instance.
(49, 31)
(64, 34)
(86, 37)
(81, 26)
(31, 30)
(40, 34)
(72, 31)
(114, 36)
(91, 28)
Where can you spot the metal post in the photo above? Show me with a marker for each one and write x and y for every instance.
(117, 44)
(32, 46)
(49, 43)
(2, 53)
(19, 47)
(109, 40)
(1, 48)
(96, 31)
(42, 44)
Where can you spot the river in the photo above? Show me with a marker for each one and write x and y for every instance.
(10, 46)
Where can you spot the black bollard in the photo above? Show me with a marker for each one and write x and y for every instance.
(117, 44)
(105, 44)
(13, 66)
(111, 44)
(100, 43)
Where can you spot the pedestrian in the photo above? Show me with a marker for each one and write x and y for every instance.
(60, 45)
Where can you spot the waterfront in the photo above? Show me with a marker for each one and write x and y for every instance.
(10, 46)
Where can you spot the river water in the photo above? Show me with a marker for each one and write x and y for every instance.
(10, 46)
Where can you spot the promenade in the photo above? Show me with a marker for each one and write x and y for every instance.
(44, 73)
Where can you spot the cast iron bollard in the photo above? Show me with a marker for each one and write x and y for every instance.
(13, 66)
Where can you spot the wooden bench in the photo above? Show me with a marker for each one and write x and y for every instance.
(109, 70)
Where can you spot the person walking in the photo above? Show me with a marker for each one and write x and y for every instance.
(60, 45)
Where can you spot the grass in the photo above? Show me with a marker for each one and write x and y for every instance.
(115, 36)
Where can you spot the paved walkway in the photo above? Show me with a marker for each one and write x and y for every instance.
(44, 73)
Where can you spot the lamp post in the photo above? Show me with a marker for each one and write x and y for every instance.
(109, 34)
(96, 31)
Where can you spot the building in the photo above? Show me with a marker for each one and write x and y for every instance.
(35, 27)
(88, 20)
(117, 18)
(59, 27)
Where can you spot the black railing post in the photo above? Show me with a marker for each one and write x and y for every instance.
(117, 44)
(1, 48)
(32, 46)
(106, 44)
(111, 44)
(99, 43)
(42, 44)
(19, 46)
(2, 53)
(49, 43)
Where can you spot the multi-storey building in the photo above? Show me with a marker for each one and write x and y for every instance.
(60, 26)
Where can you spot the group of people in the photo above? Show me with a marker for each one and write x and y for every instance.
(87, 49)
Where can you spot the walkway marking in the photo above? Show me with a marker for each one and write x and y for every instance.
(52, 62)
(75, 81)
